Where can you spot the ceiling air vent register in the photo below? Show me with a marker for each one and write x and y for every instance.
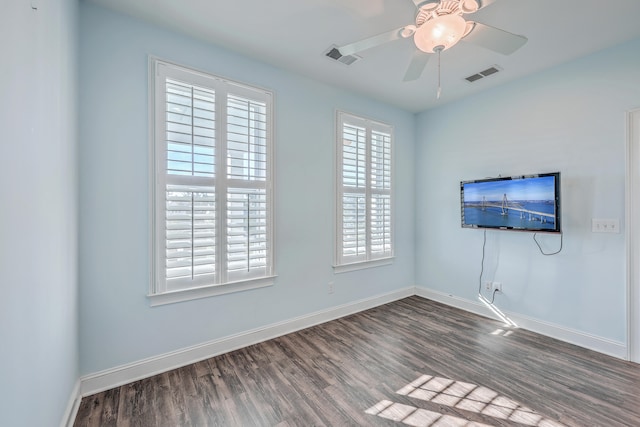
(334, 53)
(482, 74)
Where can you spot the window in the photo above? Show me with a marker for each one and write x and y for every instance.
(364, 192)
(212, 209)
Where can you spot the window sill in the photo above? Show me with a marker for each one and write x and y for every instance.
(208, 291)
(361, 265)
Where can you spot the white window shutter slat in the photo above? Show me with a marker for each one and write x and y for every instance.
(190, 129)
(247, 238)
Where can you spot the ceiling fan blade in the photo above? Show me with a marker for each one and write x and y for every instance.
(368, 43)
(419, 60)
(495, 39)
(485, 3)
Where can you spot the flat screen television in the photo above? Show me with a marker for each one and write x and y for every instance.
(519, 203)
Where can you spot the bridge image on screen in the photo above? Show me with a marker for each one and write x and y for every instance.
(512, 203)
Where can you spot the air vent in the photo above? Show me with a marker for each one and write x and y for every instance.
(489, 71)
(482, 74)
(473, 78)
(334, 53)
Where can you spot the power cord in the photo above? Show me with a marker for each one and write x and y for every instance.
(540, 247)
(484, 245)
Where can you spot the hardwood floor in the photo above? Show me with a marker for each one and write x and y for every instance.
(412, 362)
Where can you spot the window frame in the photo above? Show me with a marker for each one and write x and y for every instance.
(345, 263)
(220, 282)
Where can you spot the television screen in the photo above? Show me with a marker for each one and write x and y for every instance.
(522, 203)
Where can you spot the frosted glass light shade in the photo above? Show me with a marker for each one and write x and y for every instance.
(444, 31)
(469, 6)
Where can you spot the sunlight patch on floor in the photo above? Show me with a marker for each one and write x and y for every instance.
(460, 395)
(412, 416)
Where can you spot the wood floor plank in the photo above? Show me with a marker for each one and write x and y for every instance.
(180, 389)
(110, 408)
(412, 362)
(90, 410)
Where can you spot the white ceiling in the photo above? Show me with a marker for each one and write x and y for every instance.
(295, 34)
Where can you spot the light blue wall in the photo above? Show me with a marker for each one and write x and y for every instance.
(118, 326)
(569, 119)
(38, 212)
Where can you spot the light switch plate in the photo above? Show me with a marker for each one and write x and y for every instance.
(605, 225)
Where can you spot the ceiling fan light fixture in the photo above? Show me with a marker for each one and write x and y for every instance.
(468, 28)
(407, 31)
(445, 31)
(469, 6)
(430, 6)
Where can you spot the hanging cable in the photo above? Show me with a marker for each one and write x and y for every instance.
(493, 294)
(484, 243)
(540, 247)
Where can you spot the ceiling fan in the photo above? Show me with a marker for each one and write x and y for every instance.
(439, 25)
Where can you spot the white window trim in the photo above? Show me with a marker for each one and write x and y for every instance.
(339, 265)
(361, 265)
(157, 294)
(209, 291)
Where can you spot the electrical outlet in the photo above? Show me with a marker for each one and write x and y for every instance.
(497, 286)
(488, 285)
(331, 287)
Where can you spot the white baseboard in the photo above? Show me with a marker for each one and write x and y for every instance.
(120, 375)
(70, 413)
(457, 302)
(591, 342)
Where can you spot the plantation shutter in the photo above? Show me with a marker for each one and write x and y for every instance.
(380, 212)
(190, 196)
(212, 176)
(354, 192)
(247, 234)
(364, 217)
